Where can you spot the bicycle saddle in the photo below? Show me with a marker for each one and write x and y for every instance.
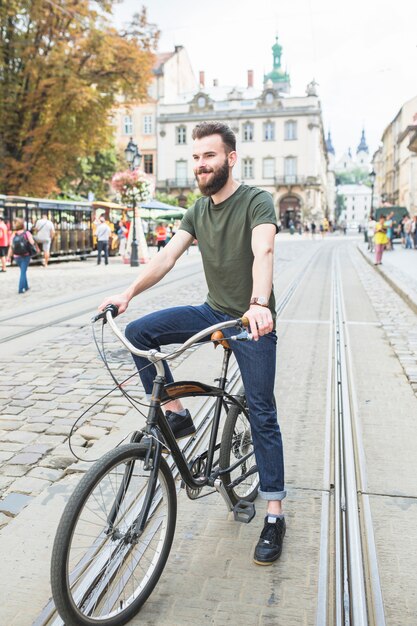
(218, 339)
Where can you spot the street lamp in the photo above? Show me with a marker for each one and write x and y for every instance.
(372, 177)
(133, 157)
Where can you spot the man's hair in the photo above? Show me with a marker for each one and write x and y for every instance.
(205, 129)
(45, 215)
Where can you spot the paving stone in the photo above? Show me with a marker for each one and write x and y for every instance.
(4, 456)
(4, 519)
(13, 503)
(46, 473)
(57, 462)
(59, 429)
(29, 485)
(13, 470)
(25, 458)
(91, 432)
(34, 428)
(19, 436)
(5, 481)
(12, 409)
(40, 448)
(7, 425)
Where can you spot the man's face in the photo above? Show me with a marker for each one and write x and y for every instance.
(212, 166)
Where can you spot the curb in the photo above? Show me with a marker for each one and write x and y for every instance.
(403, 295)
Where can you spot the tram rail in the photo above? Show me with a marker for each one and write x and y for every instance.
(357, 598)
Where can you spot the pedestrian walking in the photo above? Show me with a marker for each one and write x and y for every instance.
(235, 225)
(103, 233)
(408, 237)
(380, 238)
(414, 231)
(4, 243)
(20, 248)
(370, 232)
(122, 237)
(389, 226)
(44, 234)
(313, 229)
(161, 236)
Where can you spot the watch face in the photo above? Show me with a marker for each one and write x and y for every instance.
(262, 300)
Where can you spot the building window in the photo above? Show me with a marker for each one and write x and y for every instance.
(247, 168)
(290, 169)
(290, 130)
(181, 135)
(269, 131)
(148, 163)
(268, 169)
(248, 131)
(148, 125)
(128, 125)
(181, 173)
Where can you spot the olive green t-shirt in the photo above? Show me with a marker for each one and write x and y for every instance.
(224, 234)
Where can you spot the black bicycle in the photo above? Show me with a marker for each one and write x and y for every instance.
(116, 531)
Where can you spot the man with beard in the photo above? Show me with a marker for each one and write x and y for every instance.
(235, 226)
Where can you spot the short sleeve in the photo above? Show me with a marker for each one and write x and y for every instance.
(262, 210)
(187, 222)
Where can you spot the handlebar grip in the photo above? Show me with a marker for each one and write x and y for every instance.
(245, 321)
(114, 310)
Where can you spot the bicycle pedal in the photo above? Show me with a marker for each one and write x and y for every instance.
(244, 511)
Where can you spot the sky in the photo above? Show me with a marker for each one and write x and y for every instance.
(362, 53)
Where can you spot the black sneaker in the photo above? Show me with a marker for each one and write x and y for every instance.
(181, 425)
(269, 546)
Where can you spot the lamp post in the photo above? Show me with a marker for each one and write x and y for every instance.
(372, 177)
(133, 157)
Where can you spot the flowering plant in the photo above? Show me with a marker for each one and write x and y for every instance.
(133, 186)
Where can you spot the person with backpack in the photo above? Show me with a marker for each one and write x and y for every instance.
(21, 247)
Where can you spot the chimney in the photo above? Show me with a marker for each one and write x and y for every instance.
(202, 80)
(250, 78)
(215, 82)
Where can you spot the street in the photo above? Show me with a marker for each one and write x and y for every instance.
(51, 374)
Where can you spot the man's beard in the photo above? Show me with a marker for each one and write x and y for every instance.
(217, 182)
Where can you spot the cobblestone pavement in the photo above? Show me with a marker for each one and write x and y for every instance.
(210, 578)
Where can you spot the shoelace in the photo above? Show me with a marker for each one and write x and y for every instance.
(271, 532)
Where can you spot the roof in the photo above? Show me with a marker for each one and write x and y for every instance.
(161, 59)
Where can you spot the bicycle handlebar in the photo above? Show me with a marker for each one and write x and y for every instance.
(111, 311)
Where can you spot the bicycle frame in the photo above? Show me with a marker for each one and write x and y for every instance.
(157, 424)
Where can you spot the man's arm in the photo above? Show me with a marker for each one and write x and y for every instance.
(154, 271)
(260, 317)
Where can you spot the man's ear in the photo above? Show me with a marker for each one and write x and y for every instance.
(232, 158)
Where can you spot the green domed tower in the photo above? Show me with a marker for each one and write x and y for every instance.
(280, 79)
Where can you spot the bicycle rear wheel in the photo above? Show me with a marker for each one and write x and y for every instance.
(236, 442)
(100, 574)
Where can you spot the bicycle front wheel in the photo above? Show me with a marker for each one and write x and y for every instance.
(236, 443)
(100, 572)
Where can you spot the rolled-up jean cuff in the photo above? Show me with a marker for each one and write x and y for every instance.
(273, 495)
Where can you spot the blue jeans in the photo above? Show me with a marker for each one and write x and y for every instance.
(23, 263)
(257, 363)
(103, 246)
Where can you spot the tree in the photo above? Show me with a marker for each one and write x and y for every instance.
(91, 174)
(63, 67)
(166, 198)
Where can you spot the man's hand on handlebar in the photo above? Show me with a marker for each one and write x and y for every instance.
(260, 321)
(120, 300)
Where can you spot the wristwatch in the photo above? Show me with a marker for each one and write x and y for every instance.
(260, 301)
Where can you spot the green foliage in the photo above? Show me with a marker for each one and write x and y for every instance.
(340, 205)
(92, 173)
(192, 198)
(63, 66)
(354, 176)
(167, 198)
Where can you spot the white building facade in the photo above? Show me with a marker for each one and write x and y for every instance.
(280, 141)
(357, 204)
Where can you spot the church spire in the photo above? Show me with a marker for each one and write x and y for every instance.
(329, 144)
(280, 79)
(363, 145)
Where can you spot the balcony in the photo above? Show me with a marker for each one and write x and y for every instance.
(171, 184)
(292, 180)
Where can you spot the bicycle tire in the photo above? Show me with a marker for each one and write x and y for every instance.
(106, 581)
(236, 441)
